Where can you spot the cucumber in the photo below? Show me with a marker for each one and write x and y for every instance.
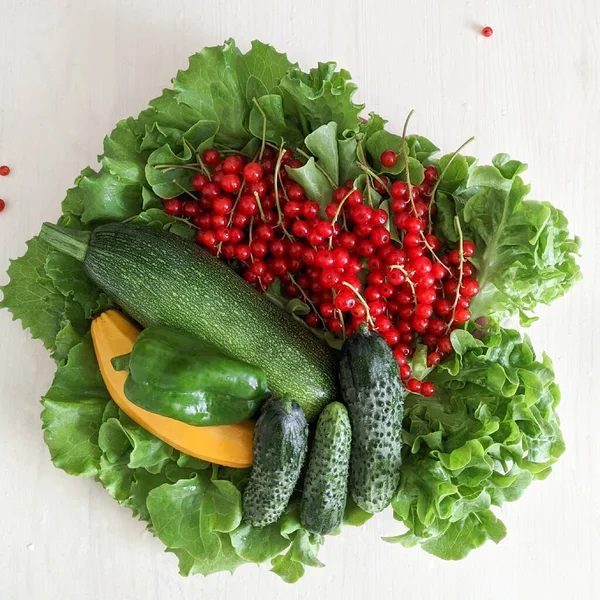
(161, 279)
(371, 387)
(326, 479)
(280, 442)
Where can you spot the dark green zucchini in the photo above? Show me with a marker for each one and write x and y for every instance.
(371, 387)
(161, 279)
(326, 479)
(280, 441)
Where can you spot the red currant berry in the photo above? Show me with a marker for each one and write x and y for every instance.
(431, 174)
(308, 255)
(413, 385)
(222, 206)
(454, 257)
(348, 240)
(399, 189)
(414, 225)
(355, 198)
(380, 236)
(190, 208)
(461, 315)
(324, 259)
(365, 248)
(379, 218)
(330, 278)
(388, 158)
(405, 372)
(468, 248)
(341, 256)
(345, 301)
(211, 157)
(236, 235)
(487, 32)
(399, 356)
(209, 238)
(230, 183)
(420, 324)
(252, 172)
(310, 210)
(445, 345)
(362, 214)
(427, 389)
(325, 229)
(469, 288)
(383, 323)
(387, 290)
(300, 229)
(433, 358)
(376, 308)
(242, 252)
(396, 276)
(424, 310)
(339, 194)
(295, 193)
(436, 327)
(199, 181)
(233, 164)
(439, 271)
(412, 239)
(172, 206)
(381, 185)
(468, 269)
(442, 307)
(433, 242)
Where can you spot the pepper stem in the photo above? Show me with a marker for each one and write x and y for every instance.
(69, 241)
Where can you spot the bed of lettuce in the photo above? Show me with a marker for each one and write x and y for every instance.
(490, 430)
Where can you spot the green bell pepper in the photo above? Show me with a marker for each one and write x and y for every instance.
(176, 375)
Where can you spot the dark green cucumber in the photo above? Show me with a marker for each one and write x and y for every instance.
(280, 442)
(371, 387)
(161, 279)
(326, 479)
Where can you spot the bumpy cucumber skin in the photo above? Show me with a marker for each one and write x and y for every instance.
(326, 480)
(280, 442)
(161, 279)
(371, 387)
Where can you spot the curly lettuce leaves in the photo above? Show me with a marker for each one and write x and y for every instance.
(525, 253)
(490, 430)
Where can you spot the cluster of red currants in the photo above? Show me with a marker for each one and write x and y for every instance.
(340, 261)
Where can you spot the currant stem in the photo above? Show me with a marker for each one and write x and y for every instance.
(308, 156)
(441, 176)
(362, 301)
(191, 167)
(203, 166)
(260, 208)
(307, 299)
(406, 163)
(184, 190)
(461, 254)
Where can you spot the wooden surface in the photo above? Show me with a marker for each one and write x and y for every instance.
(70, 69)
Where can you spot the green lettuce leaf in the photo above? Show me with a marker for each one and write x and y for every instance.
(73, 409)
(488, 432)
(525, 255)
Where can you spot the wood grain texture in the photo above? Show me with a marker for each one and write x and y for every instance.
(70, 69)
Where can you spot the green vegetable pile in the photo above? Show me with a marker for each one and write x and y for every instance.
(490, 430)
